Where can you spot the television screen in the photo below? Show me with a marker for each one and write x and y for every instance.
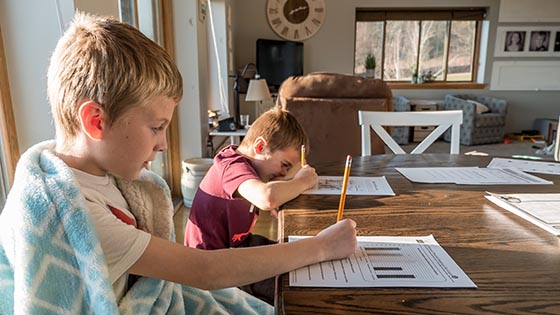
(277, 60)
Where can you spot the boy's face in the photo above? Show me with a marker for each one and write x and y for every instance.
(134, 139)
(278, 165)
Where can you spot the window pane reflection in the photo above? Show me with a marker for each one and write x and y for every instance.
(432, 48)
(369, 40)
(461, 50)
(401, 49)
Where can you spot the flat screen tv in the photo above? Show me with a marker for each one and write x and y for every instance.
(277, 60)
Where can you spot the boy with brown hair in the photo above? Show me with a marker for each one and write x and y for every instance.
(262, 173)
(84, 214)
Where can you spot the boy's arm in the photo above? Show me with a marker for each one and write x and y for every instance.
(271, 195)
(216, 269)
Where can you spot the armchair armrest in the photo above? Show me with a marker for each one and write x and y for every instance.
(455, 103)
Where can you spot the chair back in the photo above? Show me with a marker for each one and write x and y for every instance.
(442, 119)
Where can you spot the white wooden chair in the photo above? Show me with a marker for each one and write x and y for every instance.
(442, 119)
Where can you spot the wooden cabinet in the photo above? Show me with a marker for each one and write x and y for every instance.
(418, 133)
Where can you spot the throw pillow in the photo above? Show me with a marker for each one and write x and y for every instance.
(480, 108)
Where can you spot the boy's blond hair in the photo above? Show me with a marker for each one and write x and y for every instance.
(111, 63)
(279, 128)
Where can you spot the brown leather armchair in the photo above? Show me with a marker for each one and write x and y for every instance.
(327, 104)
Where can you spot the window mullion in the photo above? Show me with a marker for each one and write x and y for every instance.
(446, 64)
(383, 50)
(475, 55)
(418, 47)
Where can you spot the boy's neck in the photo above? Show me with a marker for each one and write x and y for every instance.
(75, 155)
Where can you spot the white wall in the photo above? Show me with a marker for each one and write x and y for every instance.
(191, 55)
(31, 30)
(332, 49)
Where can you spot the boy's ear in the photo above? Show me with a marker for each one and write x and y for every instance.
(259, 145)
(92, 119)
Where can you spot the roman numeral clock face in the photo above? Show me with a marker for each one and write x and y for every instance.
(295, 19)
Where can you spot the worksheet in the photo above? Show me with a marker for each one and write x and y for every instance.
(542, 210)
(471, 176)
(386, 261)
(543, 167)
(332, 185)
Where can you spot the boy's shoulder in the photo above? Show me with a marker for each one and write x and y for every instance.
(230, 155)
(231, 163)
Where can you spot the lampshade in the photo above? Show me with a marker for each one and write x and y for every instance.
(258, 90)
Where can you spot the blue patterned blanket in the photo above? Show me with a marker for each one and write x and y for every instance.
(51, 260)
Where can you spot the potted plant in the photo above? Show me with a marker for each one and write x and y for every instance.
(370, 66)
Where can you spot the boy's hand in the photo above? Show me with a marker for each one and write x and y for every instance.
(339, 240)
(307, 175)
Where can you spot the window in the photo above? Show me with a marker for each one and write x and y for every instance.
(408, 43)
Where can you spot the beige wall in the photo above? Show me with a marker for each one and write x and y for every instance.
(99, 7)
(332, 49)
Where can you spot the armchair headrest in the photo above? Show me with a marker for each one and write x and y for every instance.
(334, 85)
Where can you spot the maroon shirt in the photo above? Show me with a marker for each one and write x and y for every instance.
(217, 219)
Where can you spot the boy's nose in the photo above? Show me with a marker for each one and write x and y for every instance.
(162, 145)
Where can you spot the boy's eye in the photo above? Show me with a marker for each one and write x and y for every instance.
(158, 129)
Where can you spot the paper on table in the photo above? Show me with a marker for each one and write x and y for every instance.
(471, 176)
(526, 166)
(542, 210)
(384, 261)
(332, 185)
(436, 174)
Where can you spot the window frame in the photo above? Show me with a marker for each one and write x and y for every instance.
(163, 34)
(476, 14)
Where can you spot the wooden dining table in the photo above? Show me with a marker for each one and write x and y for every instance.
(514, 263)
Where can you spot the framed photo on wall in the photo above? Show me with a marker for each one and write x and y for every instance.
(527, 41)
(540, 41)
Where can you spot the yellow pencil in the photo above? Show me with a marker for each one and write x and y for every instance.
(303, 161)
(344, 188)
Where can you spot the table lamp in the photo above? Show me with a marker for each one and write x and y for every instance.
(256, 91)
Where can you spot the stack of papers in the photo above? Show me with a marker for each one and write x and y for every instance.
(471, 176)
(332, 185)
(383, 261)
(542, 210)
(526, 166)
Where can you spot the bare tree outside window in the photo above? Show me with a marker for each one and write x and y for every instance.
(401, 49)
(433, 46)
(370, 34)
(461, 51)
(442, 47)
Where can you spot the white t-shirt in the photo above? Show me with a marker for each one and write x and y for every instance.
(121, 241)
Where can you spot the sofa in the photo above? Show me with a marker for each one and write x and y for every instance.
(484, 118)
(327, 104)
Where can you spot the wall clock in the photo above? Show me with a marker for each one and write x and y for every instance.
(295, 19)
